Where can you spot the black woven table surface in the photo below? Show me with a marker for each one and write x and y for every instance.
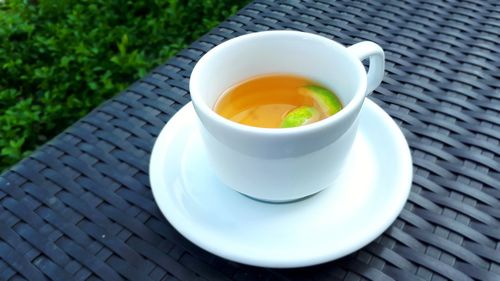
(81, 208)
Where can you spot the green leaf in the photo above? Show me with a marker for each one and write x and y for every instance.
(61, 58)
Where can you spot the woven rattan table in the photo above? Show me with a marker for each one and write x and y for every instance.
(81, 208)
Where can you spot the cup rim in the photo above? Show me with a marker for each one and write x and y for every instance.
(203, 108)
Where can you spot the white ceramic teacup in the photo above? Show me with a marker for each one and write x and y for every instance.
(280, 165)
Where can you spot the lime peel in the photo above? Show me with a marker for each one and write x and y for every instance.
(326, 100)
(300, 116)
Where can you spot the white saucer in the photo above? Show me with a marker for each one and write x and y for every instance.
(331, 224)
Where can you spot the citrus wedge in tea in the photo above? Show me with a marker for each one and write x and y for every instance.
(326, 100)
(300, 116)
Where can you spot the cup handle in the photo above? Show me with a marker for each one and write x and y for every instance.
(367, 49)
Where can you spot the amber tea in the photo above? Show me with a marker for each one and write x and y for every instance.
(277, 101)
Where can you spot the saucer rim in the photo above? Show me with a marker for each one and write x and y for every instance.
(404, 179)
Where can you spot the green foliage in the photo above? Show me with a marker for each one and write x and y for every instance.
(61, 58)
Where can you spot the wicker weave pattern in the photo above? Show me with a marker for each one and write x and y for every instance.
(80, 208)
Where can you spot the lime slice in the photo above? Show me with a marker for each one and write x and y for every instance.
(324, 98)
(300, 116)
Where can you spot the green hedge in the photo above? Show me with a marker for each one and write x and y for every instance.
(59, 59)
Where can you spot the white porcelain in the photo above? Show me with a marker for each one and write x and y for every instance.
(367, 197)
(283, 164)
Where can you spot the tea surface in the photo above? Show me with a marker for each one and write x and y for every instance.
(277, 101)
